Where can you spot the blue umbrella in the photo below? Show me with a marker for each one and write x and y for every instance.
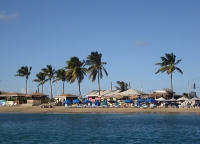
(128, 101)
(151, 100)
(141, 100)
(97, 103)
(86, 101)
(67, 102)
(76, 101)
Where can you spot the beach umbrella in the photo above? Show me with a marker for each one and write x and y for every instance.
(195, 99)
(182, 99)
(97, 103)
(128, 101)
(76, 101)
(86, 101)
(150, 100)
(161, 99)
(140, 100)
(171, 100)
(67, 102)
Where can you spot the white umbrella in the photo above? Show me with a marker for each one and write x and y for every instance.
(173, 99)
(161, 99)
(132, 92)
(182, 99)
(195, 99)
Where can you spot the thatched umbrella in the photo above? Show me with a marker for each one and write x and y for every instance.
(105, 97)
(145, 96)
(133, 96)
(118, 96)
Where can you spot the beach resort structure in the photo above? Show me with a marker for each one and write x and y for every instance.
(62, 97)
(114, 94)
(13, 97)
(36, 99)
(33, 99)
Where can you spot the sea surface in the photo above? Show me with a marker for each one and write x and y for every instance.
(99, 128)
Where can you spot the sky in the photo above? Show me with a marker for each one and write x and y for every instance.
(131, 35)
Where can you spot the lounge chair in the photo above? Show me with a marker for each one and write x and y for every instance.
(151, 106)
(93, 105)
(144, 106)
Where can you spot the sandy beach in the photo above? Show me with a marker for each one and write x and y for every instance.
(62, 109)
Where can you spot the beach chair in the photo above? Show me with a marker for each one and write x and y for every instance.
(144, 106)
(79, 106)
(3, 103)
(151, 106)
(93, 105)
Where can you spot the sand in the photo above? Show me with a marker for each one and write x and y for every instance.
(62, 109)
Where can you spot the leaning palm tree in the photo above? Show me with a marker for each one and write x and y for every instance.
(49, 72)
(24, 71)
(168, 65)
(95, 67)
(122, 86)
(40, 79)
(61, 75)
(76, 71)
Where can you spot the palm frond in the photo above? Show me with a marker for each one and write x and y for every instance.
(179, 70)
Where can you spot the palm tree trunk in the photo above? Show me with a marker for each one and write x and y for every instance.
(63, 87)
(171, 85)
(26, 86)
(51, 88)
(79, 89)
(42, 88)
(99, 82)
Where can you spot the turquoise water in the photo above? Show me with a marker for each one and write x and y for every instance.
(99, 128)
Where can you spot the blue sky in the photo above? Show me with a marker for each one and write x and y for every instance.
(132, 35)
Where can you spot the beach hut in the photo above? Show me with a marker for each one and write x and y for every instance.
(63, 97)
(35, 99)
(14, 97)
(94, 95)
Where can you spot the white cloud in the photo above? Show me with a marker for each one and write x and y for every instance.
(8, 17)
(139, 43)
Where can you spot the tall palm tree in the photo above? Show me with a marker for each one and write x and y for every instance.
(95, 67)
(40, 79)
(24, 71)
(168, 65)
(61, 75)
(49, 72)
(76, 71)
(122, 86)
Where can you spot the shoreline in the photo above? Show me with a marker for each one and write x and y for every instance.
(64, 110)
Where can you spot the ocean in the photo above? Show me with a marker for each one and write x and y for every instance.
(99, 128)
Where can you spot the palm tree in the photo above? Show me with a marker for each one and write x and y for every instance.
(76, 71)
(61, 75)
(168, 65)
(24, 71)
(49, 72)
(40, 79)
(95, 67)
(122, 86)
